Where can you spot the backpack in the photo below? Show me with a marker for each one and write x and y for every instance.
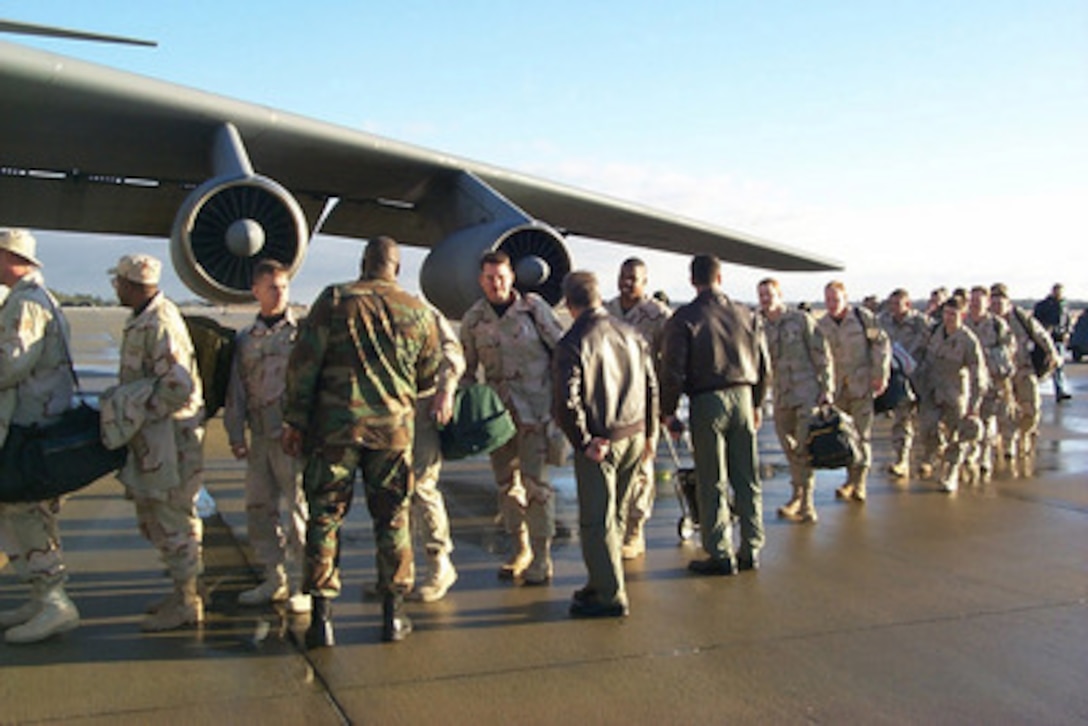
(213, 344)
(833, 441)
(480, 423)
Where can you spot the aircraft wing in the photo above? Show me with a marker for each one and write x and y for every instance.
(90, 148)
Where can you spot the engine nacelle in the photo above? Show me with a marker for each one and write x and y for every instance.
(226, 226)
(450, 274)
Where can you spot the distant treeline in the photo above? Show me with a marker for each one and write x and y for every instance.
(82, 300)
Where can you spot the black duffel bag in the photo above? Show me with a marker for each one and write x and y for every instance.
(43, 462)
(833, 441)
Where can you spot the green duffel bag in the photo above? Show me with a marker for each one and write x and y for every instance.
(480, 423)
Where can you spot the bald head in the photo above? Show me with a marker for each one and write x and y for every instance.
(381, 259)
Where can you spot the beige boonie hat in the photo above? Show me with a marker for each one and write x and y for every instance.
(20, 242)
(141, 269)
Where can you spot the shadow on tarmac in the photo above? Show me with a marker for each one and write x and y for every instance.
(917, 607)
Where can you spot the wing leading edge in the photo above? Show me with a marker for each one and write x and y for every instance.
(95, 149)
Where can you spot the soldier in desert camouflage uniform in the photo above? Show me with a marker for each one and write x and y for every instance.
(1021, 428)
(511, 336)
(648, 316)
(955, 376)
(362, 355)
(273, 479)
(999, 350)
(803, 380)
(907, 329)
(163, 472)
(35, 388)
(861, 355)
(430, 522)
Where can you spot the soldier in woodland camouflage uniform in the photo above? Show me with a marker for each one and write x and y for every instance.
(955, 378)
(35, 388)
(908, 329)
(363, 353)
(429, 519)
(511, 336)
(1021, 428)
(163, 472)
(803, 380)
(255, 398)
(648, 316)
(862, 358)
(999, 350)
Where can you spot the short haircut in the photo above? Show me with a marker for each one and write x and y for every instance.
(900, 292)
(581, 289)
(381, 257)
(955, 302)
(769, 282)
(632, 262)
(705, 269)
(981, 290)
(268, 266)
(836, 285)
(495, 257)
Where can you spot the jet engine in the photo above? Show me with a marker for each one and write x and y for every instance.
(449, 276)
(226, 226)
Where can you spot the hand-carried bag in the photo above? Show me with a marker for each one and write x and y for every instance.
(480, 423)
(833, 441)
(43, 462)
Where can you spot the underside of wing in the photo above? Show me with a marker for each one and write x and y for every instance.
(95, 149)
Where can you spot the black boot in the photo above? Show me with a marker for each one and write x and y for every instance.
(395, 623)
(319, 634)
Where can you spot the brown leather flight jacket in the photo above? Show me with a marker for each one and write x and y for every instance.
(711, 344)
(604, 382)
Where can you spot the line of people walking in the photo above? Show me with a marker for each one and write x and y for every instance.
(362, 384)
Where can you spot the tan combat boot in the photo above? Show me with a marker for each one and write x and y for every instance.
(806, 510)
(520, 557)
(861, 477)
(789, 509)
(440, 578)
(949, 478)
(273, 589)
(634, 543)
(539, 571)
(186, 608)
(56, 614)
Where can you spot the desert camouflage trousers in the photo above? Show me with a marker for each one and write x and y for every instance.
(430, 522)
(275, 505)
(169, 521)
(330, 486)
(521, 471)
(31, 538)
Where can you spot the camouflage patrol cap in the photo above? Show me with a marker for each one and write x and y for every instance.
(20, 242)
(141, 269)
(999, 289)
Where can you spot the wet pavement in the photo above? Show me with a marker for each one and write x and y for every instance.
(917, 607)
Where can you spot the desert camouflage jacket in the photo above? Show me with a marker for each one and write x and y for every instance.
(648, 317)
(860, 350)
(35, 377)
(800, 360)
(258, 377)
(515, 352)
(955, 369)
(998, 344)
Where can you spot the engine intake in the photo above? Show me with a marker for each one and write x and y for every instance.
(449, 276)
(226, 226)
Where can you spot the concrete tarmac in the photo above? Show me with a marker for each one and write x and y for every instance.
(916, 607)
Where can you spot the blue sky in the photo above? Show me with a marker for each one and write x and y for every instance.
(921, 143)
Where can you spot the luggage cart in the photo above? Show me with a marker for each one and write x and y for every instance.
(683, 482)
